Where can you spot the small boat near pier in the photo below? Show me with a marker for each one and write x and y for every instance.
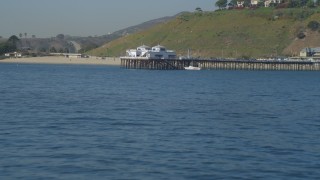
(193, 68)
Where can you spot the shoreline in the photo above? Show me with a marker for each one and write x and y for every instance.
(63, 60)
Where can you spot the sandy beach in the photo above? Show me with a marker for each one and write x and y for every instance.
(63, 60)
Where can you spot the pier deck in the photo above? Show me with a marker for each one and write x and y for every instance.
(218, 64)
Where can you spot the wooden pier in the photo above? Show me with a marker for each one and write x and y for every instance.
(218, 64)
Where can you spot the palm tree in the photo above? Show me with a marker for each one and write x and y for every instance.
(25, 35)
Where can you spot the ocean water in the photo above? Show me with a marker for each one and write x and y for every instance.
(104, 122)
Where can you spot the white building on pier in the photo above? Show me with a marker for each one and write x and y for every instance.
(156, 52)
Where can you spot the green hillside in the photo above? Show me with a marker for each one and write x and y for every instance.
(263, 32)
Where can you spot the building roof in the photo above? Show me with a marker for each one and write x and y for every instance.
(158, 46)
(317, 49)
(144, 46)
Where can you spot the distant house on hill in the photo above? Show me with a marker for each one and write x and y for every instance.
(254, 2)
(310, 52)
(266, 3)
(240, 4)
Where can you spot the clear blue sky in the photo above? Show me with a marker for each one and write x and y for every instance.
(47, 18)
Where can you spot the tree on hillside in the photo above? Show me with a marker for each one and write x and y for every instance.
(233, 2)
(66, 50)
(53, 50)
(314, 25)
(260, 4)
(221, 4)
(10, 45)
(60, 36)
(13, 39)
(300, 3)
(310, 3)
(198, 9)
(60, 50)
(247, 3)
(318, 2)
(293, 3)
(2, 48)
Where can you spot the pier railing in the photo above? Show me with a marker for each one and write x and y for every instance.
(222, 64)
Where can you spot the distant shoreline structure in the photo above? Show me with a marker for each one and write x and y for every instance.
(113, 61)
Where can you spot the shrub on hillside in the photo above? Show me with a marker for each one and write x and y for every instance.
(282, 5)
(301, 35)
(314, 25)
(185, 17)
(304, 14)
